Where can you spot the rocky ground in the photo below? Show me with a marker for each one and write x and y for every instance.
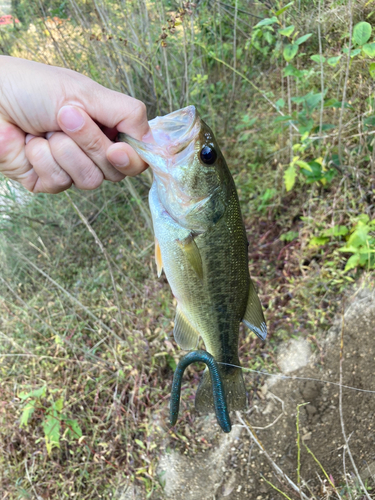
(234, 466)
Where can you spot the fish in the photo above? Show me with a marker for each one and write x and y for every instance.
(201, 244)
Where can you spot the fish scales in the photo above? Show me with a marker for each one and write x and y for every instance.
(201, 245)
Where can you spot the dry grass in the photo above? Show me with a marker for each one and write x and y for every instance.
(81, 309)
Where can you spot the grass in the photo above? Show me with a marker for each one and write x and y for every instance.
(82, 312)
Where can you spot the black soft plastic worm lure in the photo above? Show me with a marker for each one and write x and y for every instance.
(220, 403)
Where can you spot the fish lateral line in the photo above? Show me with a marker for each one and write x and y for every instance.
(220, 403)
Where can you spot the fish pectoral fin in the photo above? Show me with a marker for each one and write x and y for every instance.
(191, 251)
(185, 335)
(158, 260)
(254, 318)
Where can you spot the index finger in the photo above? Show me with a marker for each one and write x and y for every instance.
(113, 109)
(126, 114)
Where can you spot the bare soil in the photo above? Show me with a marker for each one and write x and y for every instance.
(233, 466)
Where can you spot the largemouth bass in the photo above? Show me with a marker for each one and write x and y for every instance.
(201, 244)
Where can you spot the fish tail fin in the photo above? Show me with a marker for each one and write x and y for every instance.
(234, 389)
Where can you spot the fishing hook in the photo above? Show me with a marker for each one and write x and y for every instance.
(220, 403)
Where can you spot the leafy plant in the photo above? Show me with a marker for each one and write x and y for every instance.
(53, 420)
(360, 242)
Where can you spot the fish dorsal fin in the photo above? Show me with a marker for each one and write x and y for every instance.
(253, 317)
(158, 260)
(185, 335)
(191, 251)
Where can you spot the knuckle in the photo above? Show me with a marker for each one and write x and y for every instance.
(93, 146)
(59, 180)
(37, 151)
(56, 187)
(139, 111)
(91, 178)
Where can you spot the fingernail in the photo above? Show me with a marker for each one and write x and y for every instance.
(71, 118)
(29, 137)
(49, 135)
(119, 158)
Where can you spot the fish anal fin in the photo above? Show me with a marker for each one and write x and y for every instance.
(254, 318)
(158, 259)
(185, 335)
(191, 251)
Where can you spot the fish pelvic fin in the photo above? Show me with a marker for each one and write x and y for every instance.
(234, 390)
(158, 259)
(254, 318)
(185, 335)
(191, 251)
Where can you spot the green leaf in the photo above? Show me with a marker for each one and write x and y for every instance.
(332, 103)
(313, 100)
(36, 393)
(298, 100)
(51, 426)
(346, 249)
(336, 231)
(333, 61)
(318, 58)
(286, 31)
(361, 33)
(284, 118)
(359, 237)
(73, 430)
(353, 53)
(371, 70)
(352, 262)
(290, 177)
(369, 122)
(316, 171)
(139, 443)
(369, 49)
(302, 39)
(363, 218)
(26, 413)
(305, 124)
(280, 103)
(290, 70)
(304, 165)
(266, 22)
(289, 236)
(283, 9)
(171, 362)
(318, 241)
(290, 51)
(58, 405)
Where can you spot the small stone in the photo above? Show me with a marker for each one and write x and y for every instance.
(311, 410)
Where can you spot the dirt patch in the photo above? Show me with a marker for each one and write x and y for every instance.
(233, 467)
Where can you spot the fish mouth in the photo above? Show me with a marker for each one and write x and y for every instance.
(171, 133)
(174, 131)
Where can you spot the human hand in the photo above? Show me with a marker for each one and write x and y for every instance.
(56, 127)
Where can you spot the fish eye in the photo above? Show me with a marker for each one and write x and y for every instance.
(208, 155)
